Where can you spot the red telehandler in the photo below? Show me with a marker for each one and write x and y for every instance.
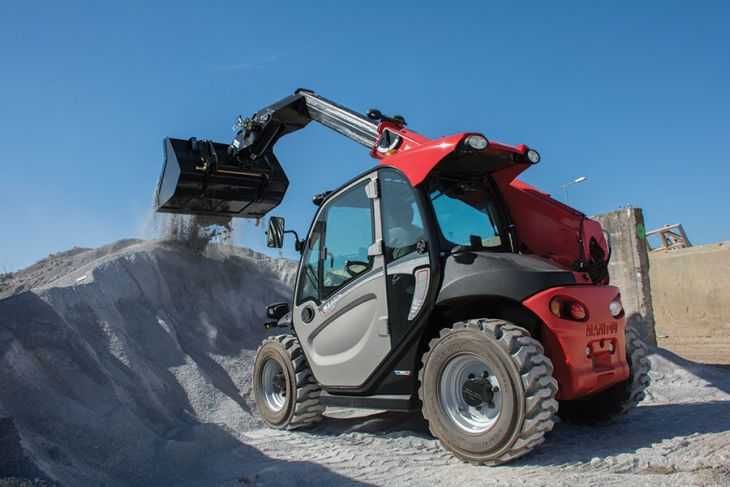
(434, 282)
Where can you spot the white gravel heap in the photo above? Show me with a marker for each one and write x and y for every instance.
(133, 365)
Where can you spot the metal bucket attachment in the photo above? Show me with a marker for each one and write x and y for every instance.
(201, 178)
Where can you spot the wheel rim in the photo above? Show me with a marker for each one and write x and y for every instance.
(273, 385)
(470, 394)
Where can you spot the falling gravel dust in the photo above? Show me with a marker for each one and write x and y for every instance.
(131, 365)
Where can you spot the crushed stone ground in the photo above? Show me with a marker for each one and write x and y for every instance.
(131, 365)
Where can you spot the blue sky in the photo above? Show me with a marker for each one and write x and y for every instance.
(633, 96)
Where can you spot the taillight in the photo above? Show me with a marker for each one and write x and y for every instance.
(578, 311)
(616, 308)
(568, 308)
(556, 307)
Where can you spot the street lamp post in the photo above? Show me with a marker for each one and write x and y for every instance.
(575, 181)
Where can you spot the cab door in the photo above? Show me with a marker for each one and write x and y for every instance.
(406, 253)
(340, 309)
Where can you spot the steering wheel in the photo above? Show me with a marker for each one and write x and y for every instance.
(351, 267)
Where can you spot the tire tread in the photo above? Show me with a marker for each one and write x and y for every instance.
(307, 407)
(539, 385)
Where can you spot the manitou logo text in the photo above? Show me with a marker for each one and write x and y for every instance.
(601, 329)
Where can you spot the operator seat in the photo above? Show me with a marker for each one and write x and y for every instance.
(401, 234)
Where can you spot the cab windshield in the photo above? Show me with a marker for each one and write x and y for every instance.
(466, 214)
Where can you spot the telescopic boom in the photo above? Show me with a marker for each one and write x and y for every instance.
(245, 179)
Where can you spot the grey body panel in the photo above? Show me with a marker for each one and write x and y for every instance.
(514, 276)
(408, 265)
(348, 337)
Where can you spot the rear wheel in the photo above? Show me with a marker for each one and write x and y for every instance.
(487, 391)
(287, 396)
(618, 399)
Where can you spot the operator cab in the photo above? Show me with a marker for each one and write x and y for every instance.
(382, 253)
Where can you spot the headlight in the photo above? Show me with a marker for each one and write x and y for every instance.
(476, 142)
(616, 308)
(533, 156)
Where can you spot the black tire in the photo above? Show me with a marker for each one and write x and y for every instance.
(524, 374)
(299, 390)
(620, 398)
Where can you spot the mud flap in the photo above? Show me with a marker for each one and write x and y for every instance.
(200, 177)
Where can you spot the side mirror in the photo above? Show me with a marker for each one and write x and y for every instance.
(275, 232)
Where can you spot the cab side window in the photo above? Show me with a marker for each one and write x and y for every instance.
(348, 233)
(337, 250)
(402, 224)
(309, 282)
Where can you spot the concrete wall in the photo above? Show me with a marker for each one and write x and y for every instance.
(629, 267)
(691, 293)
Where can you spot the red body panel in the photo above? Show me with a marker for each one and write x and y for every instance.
(417, 155)
(566, 341)
(419, 160)
(547, 227)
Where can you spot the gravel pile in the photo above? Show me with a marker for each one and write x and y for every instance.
(130, 364)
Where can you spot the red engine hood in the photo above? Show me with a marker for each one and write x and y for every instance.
(548, 228)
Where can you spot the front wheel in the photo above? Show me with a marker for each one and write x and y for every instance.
(286, 393)
(487, 391)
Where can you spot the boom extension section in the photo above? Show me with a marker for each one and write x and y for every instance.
(245, 179)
